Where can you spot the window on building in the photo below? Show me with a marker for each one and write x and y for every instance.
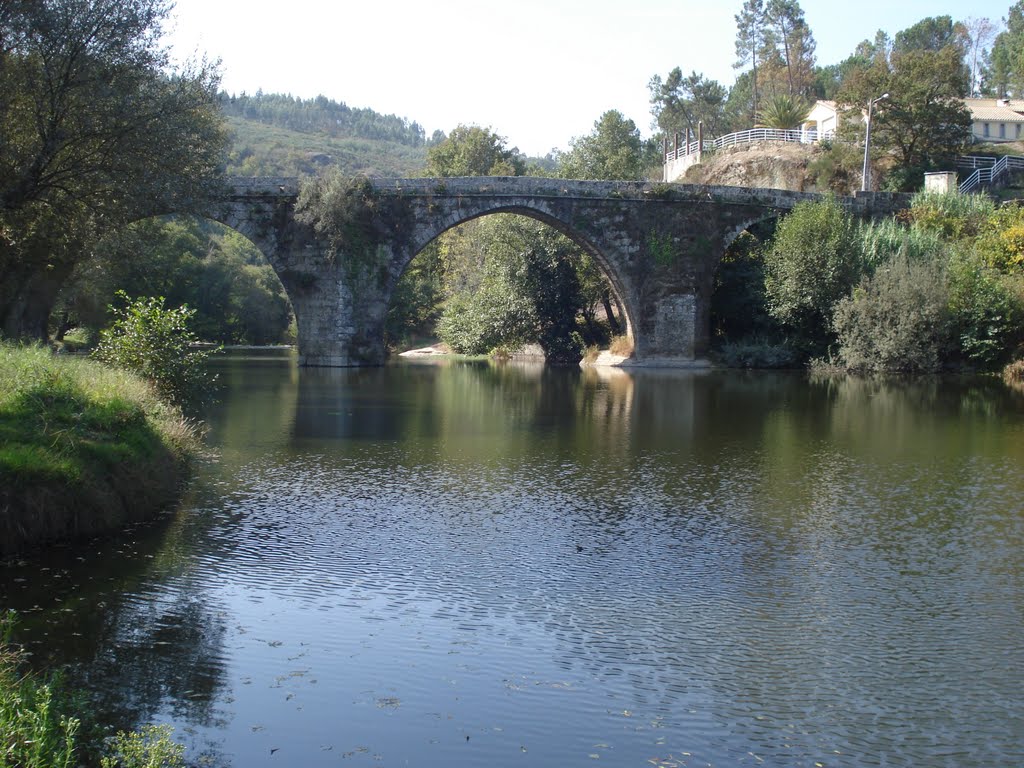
(1002, 130)
(984, 130)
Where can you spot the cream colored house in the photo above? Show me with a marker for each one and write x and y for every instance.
(995, 120)
(823, 119)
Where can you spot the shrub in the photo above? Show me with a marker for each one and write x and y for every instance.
(987, 309)
(156, 343)
(1013, 375)
(837, 168)
(738, 304)
(881, 241)
(621, 345)
(152, 747)
(950, 215)
(1001, 243)
(896, 320)
(756, 353)
(814, 261)
(38, 727)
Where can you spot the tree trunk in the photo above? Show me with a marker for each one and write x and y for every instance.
(26, 300)
(613, 323)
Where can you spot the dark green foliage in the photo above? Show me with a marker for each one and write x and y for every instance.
(474, 151)
(96, 133)
(612, 151)
(416, 302)
(680, 104)
(322, 116)
(237, 297)
(739, 304)
(1005, 73)
(813, 262)
(158, 345)
(530, 290)
(987, 309)
(897, 320)
(923, 120)
(755, 352)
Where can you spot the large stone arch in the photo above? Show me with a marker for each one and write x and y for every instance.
(544, 217)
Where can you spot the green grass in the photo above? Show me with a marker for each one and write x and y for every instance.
(45, 725)
(83, 447)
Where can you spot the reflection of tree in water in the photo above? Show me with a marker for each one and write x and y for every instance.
(126, 620)
(364, 403)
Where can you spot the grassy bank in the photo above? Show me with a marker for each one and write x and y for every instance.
(83, 448)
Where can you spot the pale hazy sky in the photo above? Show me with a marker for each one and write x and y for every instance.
(537, 72)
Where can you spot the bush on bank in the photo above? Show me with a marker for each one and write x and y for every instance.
(940, 287)
(42, 724)
(83, 448)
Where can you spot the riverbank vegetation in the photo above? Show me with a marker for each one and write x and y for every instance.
(43, 724)
(83, 447)
(941, 289)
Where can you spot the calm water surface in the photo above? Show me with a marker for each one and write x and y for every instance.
(456, 565)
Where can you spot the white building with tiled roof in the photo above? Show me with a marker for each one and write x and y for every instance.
(995, 120)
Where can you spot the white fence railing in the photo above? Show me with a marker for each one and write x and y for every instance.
(987, 170)
(751, 136)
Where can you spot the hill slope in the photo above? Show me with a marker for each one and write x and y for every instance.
(259, 149)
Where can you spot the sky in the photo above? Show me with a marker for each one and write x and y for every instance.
(537, 72)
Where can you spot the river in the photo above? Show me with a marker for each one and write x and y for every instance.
(466, 564)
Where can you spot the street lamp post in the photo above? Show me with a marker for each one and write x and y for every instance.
(866, 173)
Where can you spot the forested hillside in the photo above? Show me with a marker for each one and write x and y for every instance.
(278, 135)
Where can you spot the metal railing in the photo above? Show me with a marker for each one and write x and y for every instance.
(987, 170)
(751, 136)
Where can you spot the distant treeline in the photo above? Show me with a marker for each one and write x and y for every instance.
(322, 115)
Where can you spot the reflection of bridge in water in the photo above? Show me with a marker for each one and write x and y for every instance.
(658, 244)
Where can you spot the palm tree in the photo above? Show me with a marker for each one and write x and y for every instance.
(783, 112)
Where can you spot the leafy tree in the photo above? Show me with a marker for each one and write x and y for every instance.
(931, 34)
(1005, 71)
(474, 151)
(789, 41)
(751, 36)
(813, 262)
(236, 295)
(613, 150)
(924, 119)
(96, 134)
(987, 309)
(680, 104)
(157, 344)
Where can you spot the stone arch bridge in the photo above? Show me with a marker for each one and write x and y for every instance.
(658, 244)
